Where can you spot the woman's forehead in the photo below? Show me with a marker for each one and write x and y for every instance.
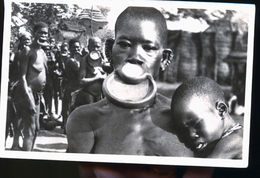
(137, 23)
(140, 29)
(26, 37)
(43, 29)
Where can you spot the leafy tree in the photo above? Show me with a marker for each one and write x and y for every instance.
(51, 14)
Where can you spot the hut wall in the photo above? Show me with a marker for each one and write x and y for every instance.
(207, 60)
(223, 45)
(170, 74)
(200, 54)
(188, 62)
(92, 26)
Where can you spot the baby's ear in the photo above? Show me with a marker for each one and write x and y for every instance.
(166, 58)
(222, 108)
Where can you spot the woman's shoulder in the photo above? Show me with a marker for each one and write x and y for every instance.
(163, 100)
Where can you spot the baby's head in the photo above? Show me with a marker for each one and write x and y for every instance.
(199, 110)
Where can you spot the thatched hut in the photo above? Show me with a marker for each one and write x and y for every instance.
(93, 20)
(70, 28)
(222, 42)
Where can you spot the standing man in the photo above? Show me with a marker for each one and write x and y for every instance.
(28, 93)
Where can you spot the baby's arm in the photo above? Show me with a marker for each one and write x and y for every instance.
(229, 147)
(80, 134)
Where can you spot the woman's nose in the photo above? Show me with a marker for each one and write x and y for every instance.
(136, 56)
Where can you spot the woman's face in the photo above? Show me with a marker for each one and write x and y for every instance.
(138, 42)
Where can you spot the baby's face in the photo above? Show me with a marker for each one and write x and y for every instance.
(138, 42)
(199, 123)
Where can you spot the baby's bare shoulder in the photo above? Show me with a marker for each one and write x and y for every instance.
(229, 147)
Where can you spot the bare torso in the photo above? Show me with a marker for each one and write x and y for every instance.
(94, 88)
(72, 69)
(32, 69)
(36, 71)
(104, 128)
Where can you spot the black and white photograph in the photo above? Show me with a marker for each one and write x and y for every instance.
(143, 82)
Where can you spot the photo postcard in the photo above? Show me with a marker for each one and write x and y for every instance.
(143, 82)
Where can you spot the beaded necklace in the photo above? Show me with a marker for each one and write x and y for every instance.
(231, 130)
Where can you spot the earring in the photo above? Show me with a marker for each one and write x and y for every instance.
(108, 48)
(166, 59)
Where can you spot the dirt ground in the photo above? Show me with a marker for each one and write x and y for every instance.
(46, 141)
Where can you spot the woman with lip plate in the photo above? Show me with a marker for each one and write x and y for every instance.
(28, 92)
(132, 119)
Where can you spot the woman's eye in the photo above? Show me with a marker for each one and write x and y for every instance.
(124, 44)
(149, 48)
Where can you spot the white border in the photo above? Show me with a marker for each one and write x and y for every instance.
(249, 8)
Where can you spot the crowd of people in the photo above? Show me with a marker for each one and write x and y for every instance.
(44, 72)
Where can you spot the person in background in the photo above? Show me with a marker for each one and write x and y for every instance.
(72, 66)
(11, 54)
(28, 92)
(25, 40)
(61, 58)
(15, 57)
(91, 74)
(50, 92)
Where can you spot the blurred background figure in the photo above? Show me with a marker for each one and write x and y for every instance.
(91, 74)
(72, 66)
(51, 89)
(14, 63)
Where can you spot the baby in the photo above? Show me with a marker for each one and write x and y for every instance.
(204, 124)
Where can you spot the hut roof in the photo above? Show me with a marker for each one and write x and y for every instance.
(221, 25)
(71, 25)
(92, 13)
